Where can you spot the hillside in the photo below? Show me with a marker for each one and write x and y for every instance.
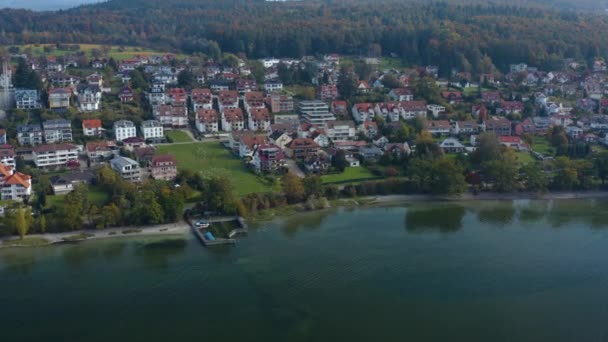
(464, 34)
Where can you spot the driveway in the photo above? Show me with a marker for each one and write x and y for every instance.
(293, 167)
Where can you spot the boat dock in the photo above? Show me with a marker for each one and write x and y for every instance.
(207, 239)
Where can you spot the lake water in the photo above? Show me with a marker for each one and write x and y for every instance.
(492, 271)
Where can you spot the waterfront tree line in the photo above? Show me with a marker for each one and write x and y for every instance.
(492, 167)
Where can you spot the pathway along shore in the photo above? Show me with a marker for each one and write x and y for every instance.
(182, 228)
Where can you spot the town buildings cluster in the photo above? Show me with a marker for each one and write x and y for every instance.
(267, 125)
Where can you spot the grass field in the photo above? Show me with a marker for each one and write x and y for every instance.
(115, 52)
(542, 146)
(27, 241)
(212, 159)
(96, 196)
(524, 158)
(178, 136)
(350, 174)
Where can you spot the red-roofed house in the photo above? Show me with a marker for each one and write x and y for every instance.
(201, 99)
(207, 120)
(413, 109)
(92, 128)
(233, 119)
(301, 148)
(259, 119)
(163, 167)
(452, 96)
(514, 142)
(14, 185)
(438, 127)
(510, 107)
(268, 158)
(363, 112)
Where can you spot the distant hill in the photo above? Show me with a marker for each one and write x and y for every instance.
(44, 5)
(471, 35)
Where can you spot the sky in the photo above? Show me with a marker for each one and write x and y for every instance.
(44, 5)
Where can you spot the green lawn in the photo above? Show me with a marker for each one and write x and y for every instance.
(524, 158)
(96, 196)
(542, 146)
(350, 174)
(212, 159)
(178, 136)
(27, 241)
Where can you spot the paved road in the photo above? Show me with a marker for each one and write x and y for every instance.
(293, 166)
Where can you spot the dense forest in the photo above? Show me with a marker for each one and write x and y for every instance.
(466, 34)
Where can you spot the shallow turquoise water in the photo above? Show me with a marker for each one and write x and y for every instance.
(494, 271)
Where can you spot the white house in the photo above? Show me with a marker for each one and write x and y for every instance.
(124, 129)
(89, 97)
(54, 155)
(152, 129)
(340, 130)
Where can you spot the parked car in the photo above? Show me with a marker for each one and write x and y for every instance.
(202, 224)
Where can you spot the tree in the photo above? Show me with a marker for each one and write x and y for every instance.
(426, 147)
(25, 77)
(219, 195)
(257, 71)
(488, 149)
(347, 84)
(601, 165)
(138, 80)
(502, 172)
(186, 79)
(565, 174)
(534, 177)
(419, 172)
(313, 185)
(390, 81)
(42, 224)
(339, 161)
(21, 223)
(111, 215)
(447, 177)
(293, 188)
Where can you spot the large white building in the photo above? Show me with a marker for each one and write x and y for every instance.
(315, 112)
(124, 129)
(152, 129)
(54, 155)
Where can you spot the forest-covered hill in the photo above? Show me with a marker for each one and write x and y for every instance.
(458, 33)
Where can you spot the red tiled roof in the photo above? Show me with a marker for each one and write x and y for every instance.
(165, 158)
(92, 123)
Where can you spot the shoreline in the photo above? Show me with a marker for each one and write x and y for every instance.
(182, 227)
(178, 228)
(488, 196)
